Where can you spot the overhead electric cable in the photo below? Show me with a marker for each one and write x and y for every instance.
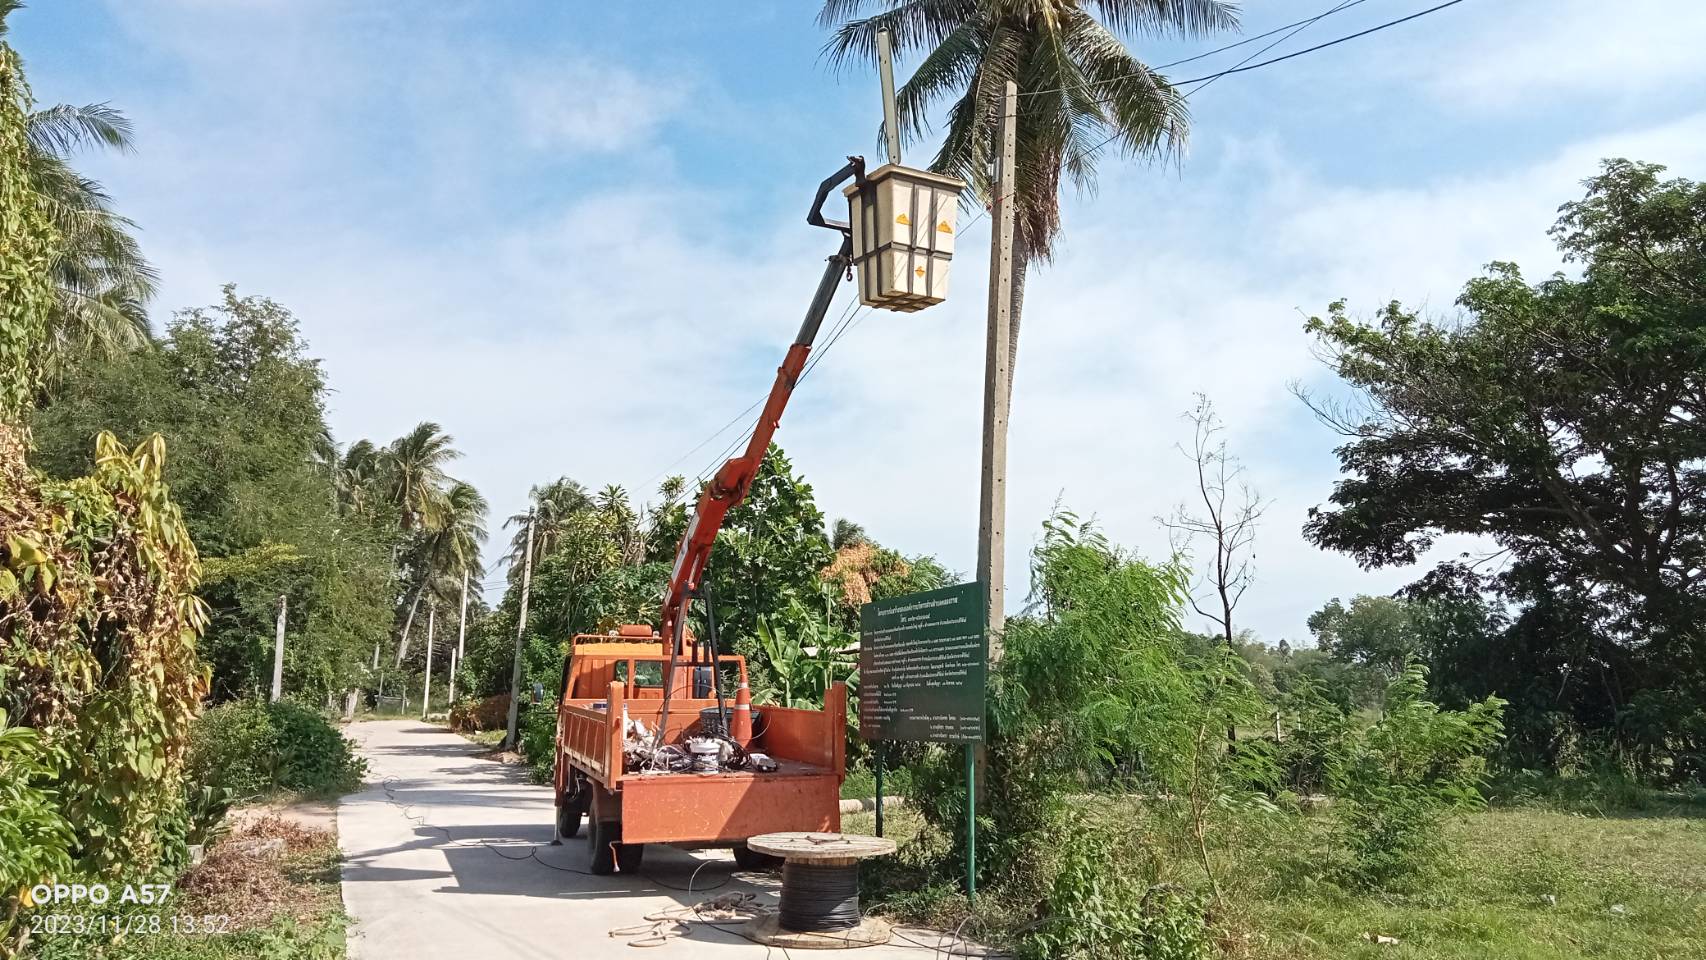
(1209, 53)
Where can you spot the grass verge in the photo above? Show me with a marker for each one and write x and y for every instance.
(269, 889)
(1523, 884)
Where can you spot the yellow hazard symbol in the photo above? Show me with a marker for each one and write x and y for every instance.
(919, 271)
(903, 221)
(944, 228)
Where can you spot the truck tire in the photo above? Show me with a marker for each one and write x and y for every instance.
(571, 808)
(749, 859)
(629, 856)
(609, 854)
(603, 835)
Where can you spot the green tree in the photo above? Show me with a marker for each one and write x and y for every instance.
(1080, 88)
(1379, 632)
(768, 557)
(241, 404)
(1566, 422)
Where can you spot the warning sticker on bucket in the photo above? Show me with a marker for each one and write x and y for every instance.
(922, 665)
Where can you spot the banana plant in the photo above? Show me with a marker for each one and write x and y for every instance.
(806, 656)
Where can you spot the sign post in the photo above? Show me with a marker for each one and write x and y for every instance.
(923, 662)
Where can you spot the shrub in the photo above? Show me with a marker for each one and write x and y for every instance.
(1092, 911)
(248, 747)
(98, 629)
(1097, 694)
(471, 715)
(536, 728)
(34, 836)
(1395, 782)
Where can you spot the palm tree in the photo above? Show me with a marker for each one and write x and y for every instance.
(1079, 88)
(552, 505)
(103, 282)
(439, 558)
(412, 477)
(454, 548)
(354, 476)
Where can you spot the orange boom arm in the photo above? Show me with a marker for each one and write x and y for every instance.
(732, 481)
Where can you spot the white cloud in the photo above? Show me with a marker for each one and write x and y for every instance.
(1568, 51)
(592, 107)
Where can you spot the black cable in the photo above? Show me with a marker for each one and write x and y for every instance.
(819, 897)
(421, 822)
(1209, 53)
(723, 717)
(1322, 46)
(690, 888)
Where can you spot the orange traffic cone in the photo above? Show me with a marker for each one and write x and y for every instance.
(740, 726)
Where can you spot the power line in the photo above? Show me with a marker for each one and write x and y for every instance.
(1299, 28)
(1334, 42)
(1244, 66)
(1209, 53)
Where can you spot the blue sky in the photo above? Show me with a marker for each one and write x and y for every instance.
(573, 235)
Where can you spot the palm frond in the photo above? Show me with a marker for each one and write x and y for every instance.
(951, 65)
(7, 8)
(61, 130)
(913, 25)
(1180, 18)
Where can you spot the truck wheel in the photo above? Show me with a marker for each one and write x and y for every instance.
(629, 855)
(749, 859)
(570, 809)
(603, 835)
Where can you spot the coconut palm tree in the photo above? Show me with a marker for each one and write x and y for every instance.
(354, 476)
(412, 477)
(438, 558)
(104, 283)
(552, 506)
(1079, 87)
(454, 548)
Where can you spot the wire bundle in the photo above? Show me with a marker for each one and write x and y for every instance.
(817, 898)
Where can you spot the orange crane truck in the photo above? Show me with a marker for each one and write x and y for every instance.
(648, 749)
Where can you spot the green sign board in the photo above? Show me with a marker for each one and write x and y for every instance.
(921, 666)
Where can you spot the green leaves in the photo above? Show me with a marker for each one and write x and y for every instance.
(28, 246)
(1564, 423)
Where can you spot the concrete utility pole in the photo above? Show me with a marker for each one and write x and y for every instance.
(891, 121)
(278, 651)
(992, 515)
(461, 635)
(426, 684)
(520, 629)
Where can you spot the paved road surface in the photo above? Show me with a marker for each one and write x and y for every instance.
(447, 857)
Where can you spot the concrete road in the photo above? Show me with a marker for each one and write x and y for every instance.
(447, 857)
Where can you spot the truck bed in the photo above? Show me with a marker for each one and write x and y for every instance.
(729, 806)
(803, 793)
